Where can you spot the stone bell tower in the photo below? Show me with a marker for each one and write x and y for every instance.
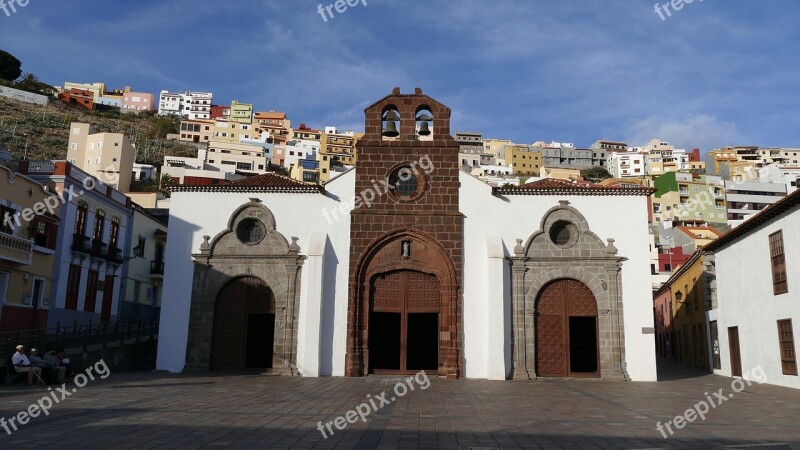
(405, 308)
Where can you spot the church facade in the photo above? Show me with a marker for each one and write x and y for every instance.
(406, 264)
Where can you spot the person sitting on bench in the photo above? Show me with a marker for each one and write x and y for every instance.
(22, 364)
(53, 364)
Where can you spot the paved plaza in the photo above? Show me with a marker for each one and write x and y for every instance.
(157, 410)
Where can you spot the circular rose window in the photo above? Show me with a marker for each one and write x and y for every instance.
(250, 231)
(405, 184)
(563, 233)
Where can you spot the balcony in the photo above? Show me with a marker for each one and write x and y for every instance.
(80, 244)
(99, 249)
(16, 249)
(157, 268)
(115, 256)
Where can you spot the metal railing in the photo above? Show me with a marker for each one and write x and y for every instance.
(79, 336)
(156, 267)
(80, 243)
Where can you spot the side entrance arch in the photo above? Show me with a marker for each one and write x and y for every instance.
(244, 326)
(566, 330)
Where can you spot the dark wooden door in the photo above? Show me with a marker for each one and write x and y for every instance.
(233, 345)
(562, 304)
(404, 322)
(108, 298)
(736, 357)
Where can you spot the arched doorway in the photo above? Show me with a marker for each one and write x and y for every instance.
(404, 322)
(567, 331)
(244, 326)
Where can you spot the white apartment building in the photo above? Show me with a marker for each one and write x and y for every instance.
(626, 164)
(299, 149)
(747, 198)
(191, 105)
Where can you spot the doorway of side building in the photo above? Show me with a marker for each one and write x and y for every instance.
(404, 323)
(566, 331)
(243, 333)
(736, 356)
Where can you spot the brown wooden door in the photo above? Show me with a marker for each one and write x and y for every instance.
(240, 302)
(404, 322)
(108, 297)
(563, 307)
(736, 357)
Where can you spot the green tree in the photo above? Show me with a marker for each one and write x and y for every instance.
(162, 126)
(30, 82)
(10, 67)
(595, 173)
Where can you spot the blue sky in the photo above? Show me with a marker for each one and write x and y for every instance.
(715, 73)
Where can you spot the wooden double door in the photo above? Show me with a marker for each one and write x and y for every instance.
(567, 331)
(404, 323)
(244, 326)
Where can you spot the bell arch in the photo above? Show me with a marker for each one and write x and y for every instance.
(249, 247)
(405, 251)
(564, 247)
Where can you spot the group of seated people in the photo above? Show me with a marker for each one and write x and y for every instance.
(54, 364)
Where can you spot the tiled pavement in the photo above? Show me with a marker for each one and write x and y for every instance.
(157, 410)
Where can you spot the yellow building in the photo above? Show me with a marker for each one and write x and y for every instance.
(739, 171)
(340, 147)
(494, 146)
(28, 235)
(715, 158)
(523, 159)
(688, 335)
(241, 112)
(276, 124)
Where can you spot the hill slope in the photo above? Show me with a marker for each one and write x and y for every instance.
(46, 130)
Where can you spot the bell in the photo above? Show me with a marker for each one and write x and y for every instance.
(423, 129)
(391, 129)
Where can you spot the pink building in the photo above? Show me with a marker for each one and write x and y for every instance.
(136, 102)
(662, 311)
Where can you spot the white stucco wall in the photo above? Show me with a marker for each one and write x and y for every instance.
(623, 218)
(746, 299)
(491, 228)
(193, 215)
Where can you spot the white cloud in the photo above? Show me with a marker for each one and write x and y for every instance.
(694, 131)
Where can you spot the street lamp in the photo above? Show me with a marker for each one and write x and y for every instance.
(679, 296)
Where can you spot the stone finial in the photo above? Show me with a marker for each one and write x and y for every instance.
(396, 91)
(418, 91)
(519, 249)
(254, 200)
(205, 246)
(294, 249)
(610, 249)
(563, 202)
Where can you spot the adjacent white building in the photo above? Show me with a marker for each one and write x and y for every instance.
(745, 198)
(755, 311)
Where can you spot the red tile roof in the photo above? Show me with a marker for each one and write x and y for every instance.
(549, 186)
(268, 182)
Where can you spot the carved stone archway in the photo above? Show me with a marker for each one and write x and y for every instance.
(249, 247)
(407, 250)
(565, 248)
